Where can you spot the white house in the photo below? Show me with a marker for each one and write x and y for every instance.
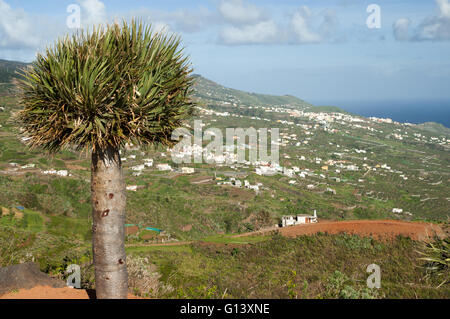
(266, 170)
(28, 166)
(62, 173)
(187, 170)
(164, 167)
(138, 167)
(148, 162)
(290, 220)
(288, 172)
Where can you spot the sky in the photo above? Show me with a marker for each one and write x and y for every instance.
(323, 51)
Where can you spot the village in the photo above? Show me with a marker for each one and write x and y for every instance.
(339, 164)
(313, 171)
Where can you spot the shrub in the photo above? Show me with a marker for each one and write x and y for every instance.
(437, 259)
(143, 279)
(339, 286)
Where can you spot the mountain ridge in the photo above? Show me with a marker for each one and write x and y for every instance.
(210, 91)
(8, 70)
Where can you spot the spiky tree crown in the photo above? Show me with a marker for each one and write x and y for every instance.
(99, 89)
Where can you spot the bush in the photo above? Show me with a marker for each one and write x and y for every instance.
(339, 286)
(143, 279)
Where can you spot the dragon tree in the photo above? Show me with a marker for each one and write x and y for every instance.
(96, 91)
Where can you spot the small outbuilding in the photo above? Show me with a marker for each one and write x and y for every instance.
(290, 220)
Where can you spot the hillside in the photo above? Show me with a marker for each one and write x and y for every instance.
(208, 90)
(434, 127)
(8, 70)
(213, 94)
(344, 166)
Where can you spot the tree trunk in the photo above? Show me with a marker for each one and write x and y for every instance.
(108, 229)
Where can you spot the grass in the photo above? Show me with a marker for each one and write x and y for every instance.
(329, 266)
(170, 249)
(69, 227)
(31, 221)
(229, 239)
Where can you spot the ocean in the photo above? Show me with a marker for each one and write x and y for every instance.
(416, 111)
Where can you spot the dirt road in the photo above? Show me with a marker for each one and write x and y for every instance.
(380, 229)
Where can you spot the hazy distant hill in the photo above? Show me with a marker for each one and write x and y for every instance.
(8, 70)
(209, 90)
(206, 90)
(434, 128)
(328, 108)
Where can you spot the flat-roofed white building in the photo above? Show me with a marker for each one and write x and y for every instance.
(164, 167)
(290, 220)
(187, 170)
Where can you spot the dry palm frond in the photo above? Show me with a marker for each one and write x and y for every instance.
(437, 259)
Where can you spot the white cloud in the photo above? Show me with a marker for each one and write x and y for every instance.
(23, 34)
(192, 21)
(444, 8)
(308, 28)
(180, 20)
(231, 22)
(238, 13)
(301, 26)
(261, 32)
(93, 12)
(161, 27)
(433, 28)
(401, 29)
(246, 23)
(17, 29)
(436, 28)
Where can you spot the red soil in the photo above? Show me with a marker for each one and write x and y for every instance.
(46, 292)
(380, 229)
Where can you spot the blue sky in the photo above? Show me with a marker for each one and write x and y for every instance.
(319, 50)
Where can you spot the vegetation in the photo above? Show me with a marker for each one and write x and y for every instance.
(100, 91)
(201, 218)
(318, 266)
(437, 260)
(209, 90)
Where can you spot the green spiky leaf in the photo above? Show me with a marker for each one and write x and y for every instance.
(114, 85)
